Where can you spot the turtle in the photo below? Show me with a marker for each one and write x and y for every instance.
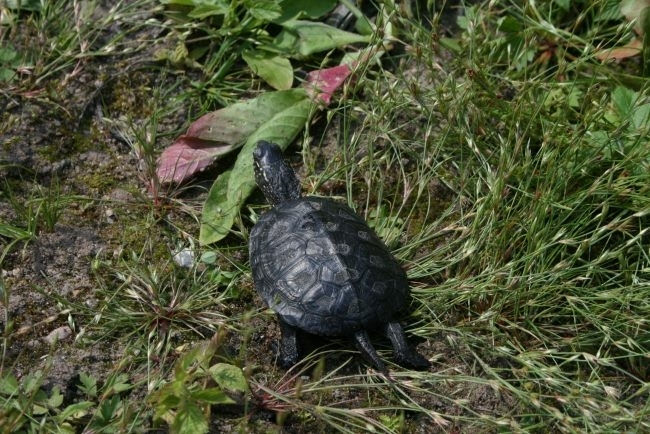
(322, 269)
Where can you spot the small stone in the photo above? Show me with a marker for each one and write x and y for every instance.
(110, 216)
(184, 257)
(58, 334)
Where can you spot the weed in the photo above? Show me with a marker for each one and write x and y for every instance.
(184, 402)
(154, 304)
(29, 408)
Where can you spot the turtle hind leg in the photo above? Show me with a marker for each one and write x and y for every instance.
(289, 353)
(404, 354)
(365, 346)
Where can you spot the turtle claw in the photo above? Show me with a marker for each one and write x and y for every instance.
(412, 359)
(289, 353)
(363, 344)
(404, 354)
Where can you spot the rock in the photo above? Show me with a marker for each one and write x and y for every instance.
(58, 334)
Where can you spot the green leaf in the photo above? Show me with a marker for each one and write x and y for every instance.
(116, 384)
(510, 24)
(233, 124)
(563, 4)
(7, 74)
(166, 398)
(8, 384)
(229, 377)
(189, 420)
(55, 399)
(39, 409)
(623, 99)
(25, 5)
(213, 395)
(88, 384)
(294, 9)
(641, 117)
(273, 69)
(307, 37)
(75, 411)
(207, 10)
(278, 117)
(7, 54)
(109, 407)
(265, 10)
(32, 382)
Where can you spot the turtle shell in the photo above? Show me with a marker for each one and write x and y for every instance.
(322, 269)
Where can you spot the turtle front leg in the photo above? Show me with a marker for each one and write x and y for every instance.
(365, 346)
(289, 353)
(404, 354)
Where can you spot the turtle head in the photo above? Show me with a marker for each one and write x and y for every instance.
(273, 175)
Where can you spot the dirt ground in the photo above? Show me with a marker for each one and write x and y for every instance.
(68, 138)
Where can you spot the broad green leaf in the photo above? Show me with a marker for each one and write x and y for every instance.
(641, 117)
(278, 117)
(217, 133)
(75, 411)
(233, 124)
(265, 10)
(6, 74)
(229, 377)
(213, 395)
(88, 384)
(55, 399)
(167, 397)
(109, 407)
(275, 70)
(189, 420)
(206, 10)
(307, 37)
(215, 220)
(25, 5)
(38, 409)
(7, 54)
(117, 383)
(295, 9)
(623, 100)
(625, 108)
(563, 4)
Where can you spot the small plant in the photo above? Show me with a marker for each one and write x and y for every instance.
(230, 31)
(26, 407)
(185, 402)
(154, 303)
(10, 63)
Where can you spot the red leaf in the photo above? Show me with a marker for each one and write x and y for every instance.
(631, 49)
(322, 83)
(186, 156)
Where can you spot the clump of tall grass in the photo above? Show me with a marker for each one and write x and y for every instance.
(548, 259)
(540, 268)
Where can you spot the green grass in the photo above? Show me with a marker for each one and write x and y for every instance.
(508, 170)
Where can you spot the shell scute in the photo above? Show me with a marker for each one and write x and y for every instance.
(322, 269)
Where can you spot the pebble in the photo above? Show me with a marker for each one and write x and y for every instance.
(184, 257)
(110, 216)
(58, 334)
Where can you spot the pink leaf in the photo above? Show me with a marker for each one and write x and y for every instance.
(631, 49)
(186, 156)
(322, 83)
